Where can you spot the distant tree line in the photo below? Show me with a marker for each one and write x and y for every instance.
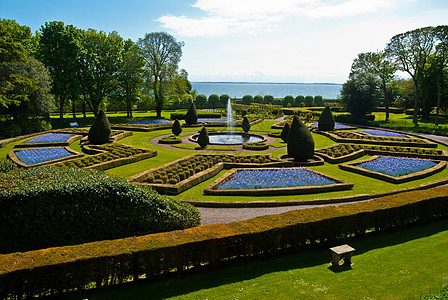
(69, 69)
(422, 54)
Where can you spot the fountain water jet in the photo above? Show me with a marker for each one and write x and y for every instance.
(229, 117)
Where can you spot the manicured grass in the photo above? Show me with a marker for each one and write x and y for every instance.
(404, 122)
(209, 147)
(401, 265)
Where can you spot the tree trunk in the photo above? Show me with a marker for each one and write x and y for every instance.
(386, 100)
(61, 106)
(84, 109)
(73, 109)
(416, 103)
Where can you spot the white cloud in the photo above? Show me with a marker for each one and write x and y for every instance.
(257, 16)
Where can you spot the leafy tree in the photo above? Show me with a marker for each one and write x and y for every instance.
(380, 65)
(101, 59)
(162, 55)
(441, 63)
(288, 100)
(299, 99)
(201, 100)
(213, 99)
(15, 41)
(411, 50)
(360, 94)
(248, 99)
(129, 76)
(318, 100)
(268, 99)
(401, 92)
(258, 99)
(309, 100)
(60, 50)
(180, 88)
(223, 99)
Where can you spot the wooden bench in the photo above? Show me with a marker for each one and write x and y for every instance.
(342, 252)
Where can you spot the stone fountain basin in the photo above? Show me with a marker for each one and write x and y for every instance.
(230, 138)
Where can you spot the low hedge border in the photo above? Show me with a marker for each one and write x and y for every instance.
(68, 142)
(170, 139)
(401, 179)
(335, 136)
(298, 190)
(104, 263)
(142, 127)
(257, 146)
(12, 155)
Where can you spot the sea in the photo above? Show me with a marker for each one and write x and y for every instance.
(278, 90)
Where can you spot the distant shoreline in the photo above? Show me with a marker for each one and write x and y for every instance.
(256, 82)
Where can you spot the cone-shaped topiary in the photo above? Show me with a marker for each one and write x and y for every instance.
(300, 141)
(99, 133)
(192, 115)
(285, 132)
(245, 125)
(203, 139)
(326, 120)
(177, 128)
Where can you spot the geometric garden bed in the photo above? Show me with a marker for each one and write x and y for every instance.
(395, 169)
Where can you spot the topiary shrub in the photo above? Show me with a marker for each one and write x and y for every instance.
(192, 115)
(203, 139)
(285, 132)
(326, 120)
(300, 145)
(177, 128)
(246, 124)
(47, 207)
(100, 131)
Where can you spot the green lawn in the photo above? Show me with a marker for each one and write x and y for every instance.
(401, 265)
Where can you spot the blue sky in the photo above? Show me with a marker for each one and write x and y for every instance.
(248, 40)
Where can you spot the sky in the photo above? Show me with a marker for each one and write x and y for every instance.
(309, 41)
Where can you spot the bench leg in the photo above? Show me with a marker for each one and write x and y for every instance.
(335, 259)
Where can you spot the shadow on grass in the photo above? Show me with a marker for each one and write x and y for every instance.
(237, 272)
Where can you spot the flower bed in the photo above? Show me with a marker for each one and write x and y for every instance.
(49, 139)
(395, 169)
(378, 132)
(336, 126)
(212, 120)
(346, 152)
(39, 156)
(149, 122)
(275, 181)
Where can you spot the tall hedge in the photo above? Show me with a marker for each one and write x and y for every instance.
(46, 207)
(203, 139)
(285, 132)
(326, 120)
(100, 131)
(300, 144)
(192, 115)
(246, 124)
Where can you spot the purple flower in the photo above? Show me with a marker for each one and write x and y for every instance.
(396, 166)
(38, 155)
(50, 138)
(378, 132)
(149, 122)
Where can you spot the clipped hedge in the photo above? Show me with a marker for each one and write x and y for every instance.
(171, 139)
(256, 146)
(201, 114)
(111, 262)
(47, 207)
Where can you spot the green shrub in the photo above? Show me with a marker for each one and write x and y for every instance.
(201, 100)
(171, 139)
(213, 100)
(72, 206)
(177, 128)
(192, 115)
(285, 132)
(6, 165)
(203, 139)
(326, 120)
(248, 99)
(255, 146)
(246, 125)
(100, 131)
(300, 144)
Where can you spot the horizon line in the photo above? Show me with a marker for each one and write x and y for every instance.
(266, 82)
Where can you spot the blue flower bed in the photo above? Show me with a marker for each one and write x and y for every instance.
(378, 132)
(273, 178)
(149, 122)
(34, 156)
(336, 125)
(396, 166)
(50, 138)
(212, 120)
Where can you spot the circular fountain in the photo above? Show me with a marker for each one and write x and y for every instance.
(230, 137)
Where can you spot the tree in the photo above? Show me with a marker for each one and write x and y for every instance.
(411, 50)
(213, 99)
(360, 94)
(129, 76)
(223, 99)
(60, 50)
(162, 55)
(441, 62)
(15, 41)
(258, 99)
(180, 88)
(298, 100)
(380, 65)
(318, 100)
(201, 100)
(268, 99)
(288, 100)
(101, 59)
(309, 100)
(248, 99)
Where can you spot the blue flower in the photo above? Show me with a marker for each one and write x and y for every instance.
(149, 122)
(378, 132)
(38, 155)
(50, 138)
(396, 166)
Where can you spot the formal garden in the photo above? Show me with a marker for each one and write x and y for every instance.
(116, 203)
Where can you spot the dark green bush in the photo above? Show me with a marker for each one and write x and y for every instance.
(255, 146)
(177, 128)
(100, 131)
(171, 139)
(248, 99)
(326, 120)
(6, 165)
(192, 115)
(300, 141)
(203, 139)
(45, 207)
(246, 124)
(285, 132)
